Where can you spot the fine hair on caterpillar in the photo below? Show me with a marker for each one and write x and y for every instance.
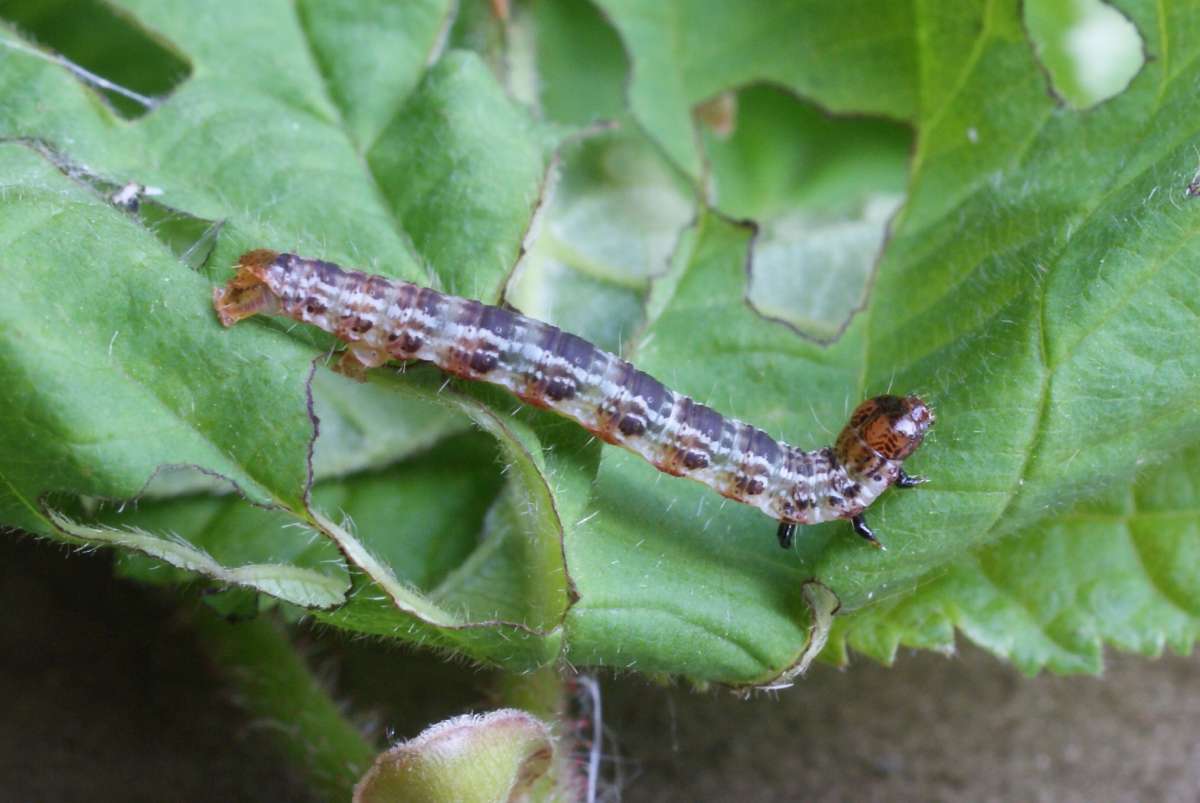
(384, 319)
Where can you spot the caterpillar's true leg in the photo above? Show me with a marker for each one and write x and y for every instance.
(909, 481)
(786, 533)
(860, 527)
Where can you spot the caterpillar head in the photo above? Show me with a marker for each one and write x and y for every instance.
(892, 426)
(247, 293)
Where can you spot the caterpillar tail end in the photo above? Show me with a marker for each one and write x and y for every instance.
(247, 292)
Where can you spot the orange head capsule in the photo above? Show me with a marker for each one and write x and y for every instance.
(891, 426)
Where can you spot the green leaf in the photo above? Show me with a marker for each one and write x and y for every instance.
(569, 33)
(372, 55)
(467, 212)
(1040, 294)
(139, 340)
(1117, 571)
(440, 553)
(99, 40)
(506, 601)
(1038, 287)
(848, 57)
(784, 155)
(367, 426)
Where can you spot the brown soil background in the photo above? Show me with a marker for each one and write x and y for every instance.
(105, 697)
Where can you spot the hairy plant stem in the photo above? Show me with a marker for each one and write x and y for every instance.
(541, 692)
(274, 684)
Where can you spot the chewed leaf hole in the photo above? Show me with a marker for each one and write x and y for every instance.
(813, 270)
(822, 190)
(106, 50)
(1089, 49)
(190, 238)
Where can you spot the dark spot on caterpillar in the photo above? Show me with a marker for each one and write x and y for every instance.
(410, 342)
(852, 491)
(328, 272)
(634, 425)
(695, 459)
(429, 302)
(559, 388)
(377, 287)
(469, 313)
(833, 500)
(406, 295)
(362, 325)
(314, 306)
(483, 361)
(355, 278)
(755, 486)
(456, 361)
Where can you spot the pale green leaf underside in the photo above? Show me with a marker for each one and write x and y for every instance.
(303, 587)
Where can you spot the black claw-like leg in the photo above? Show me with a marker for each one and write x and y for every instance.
(909, 481)
(860, 527)
(786, 534)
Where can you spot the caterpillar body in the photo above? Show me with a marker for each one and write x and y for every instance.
(384, 319)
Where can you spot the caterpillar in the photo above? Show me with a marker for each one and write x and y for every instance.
(383, 319)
